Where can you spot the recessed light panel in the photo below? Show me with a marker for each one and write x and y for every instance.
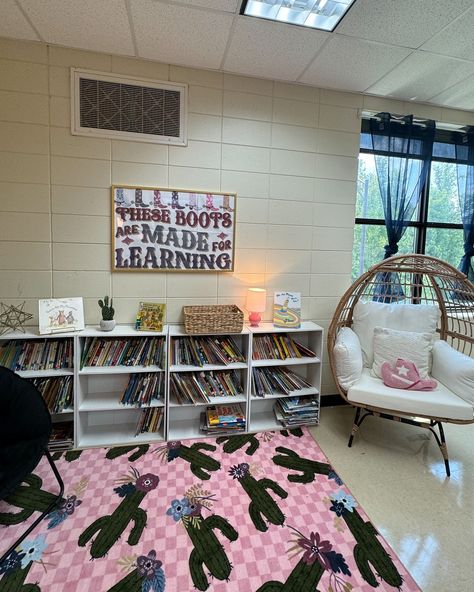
(317, 14)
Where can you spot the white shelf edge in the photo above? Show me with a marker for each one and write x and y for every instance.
(97, 405)
(45, 373)
(215, 401)
(119, 369)
(208, 367)
(306, 392)
(285, 362)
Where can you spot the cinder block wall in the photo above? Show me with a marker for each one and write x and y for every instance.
(289, 151)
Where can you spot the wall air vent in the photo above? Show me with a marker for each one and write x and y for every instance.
(122, 108)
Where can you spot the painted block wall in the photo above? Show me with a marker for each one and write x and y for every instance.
(288, 151)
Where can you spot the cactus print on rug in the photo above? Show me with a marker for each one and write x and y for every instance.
(259, 513)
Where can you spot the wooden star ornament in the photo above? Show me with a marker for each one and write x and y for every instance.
(12, 318)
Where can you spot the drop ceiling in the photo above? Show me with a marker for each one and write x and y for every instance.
(420, 50)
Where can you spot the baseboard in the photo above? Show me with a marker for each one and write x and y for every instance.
(332, 400)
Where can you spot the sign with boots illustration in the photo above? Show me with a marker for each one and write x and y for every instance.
(171, 229)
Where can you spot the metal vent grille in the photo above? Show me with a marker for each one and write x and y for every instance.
(128, 108)
(114, 106)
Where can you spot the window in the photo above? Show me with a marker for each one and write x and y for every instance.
(436, 226)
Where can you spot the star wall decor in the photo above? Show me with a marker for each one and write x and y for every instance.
(12, 318)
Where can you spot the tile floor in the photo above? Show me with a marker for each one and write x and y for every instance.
(396, 472)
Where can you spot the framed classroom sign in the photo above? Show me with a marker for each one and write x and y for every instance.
(158, 229)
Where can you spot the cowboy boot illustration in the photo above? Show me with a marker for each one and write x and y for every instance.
(192, 204)
(175, 201)
(120, 197)
(226, 204)
(210, 203)
(157, 200)
(139, 199)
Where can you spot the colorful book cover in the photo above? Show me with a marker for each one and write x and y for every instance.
(150, 316)
(287, 309)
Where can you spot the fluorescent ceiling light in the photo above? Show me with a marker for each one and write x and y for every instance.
(317, 14)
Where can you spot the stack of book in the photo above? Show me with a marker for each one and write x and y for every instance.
(198, 387)
(61, 436)
(150, 420)
(144, 388)
(297, 411)
(56, 391)
(37, 354)
(197, 351)
(276, 380)
(223, 418)
(130, 351)
(278, 346)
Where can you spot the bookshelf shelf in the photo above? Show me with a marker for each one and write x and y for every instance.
(119, 369)
(100, 419)
(286, 362)
(208, 367)
(45, 373)
(215, 401)
(299, 393)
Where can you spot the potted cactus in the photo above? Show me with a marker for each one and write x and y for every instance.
(107, 323)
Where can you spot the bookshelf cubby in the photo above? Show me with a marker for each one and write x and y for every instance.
(108, 364)
(104, 416)
(48, 361)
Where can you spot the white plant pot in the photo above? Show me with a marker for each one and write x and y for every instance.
(107, 325)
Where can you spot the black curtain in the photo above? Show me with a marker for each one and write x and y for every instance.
(465, 175)
(404, 149)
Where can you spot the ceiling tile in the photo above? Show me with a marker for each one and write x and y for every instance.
(456, 39)
(421, 76)
(460, 96)
(88, 24)
(13, 23)
(351, 64)
(180, 35)
(225, 5)
(403, 22)
(271, 50)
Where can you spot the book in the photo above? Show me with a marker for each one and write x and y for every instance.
(150, 316)
(225, 415)
(60, 314)
(287, 309)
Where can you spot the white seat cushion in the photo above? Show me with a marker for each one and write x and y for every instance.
(438, 403)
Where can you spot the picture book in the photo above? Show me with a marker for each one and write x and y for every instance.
(287, 309)
(61, 314)
(150, 316)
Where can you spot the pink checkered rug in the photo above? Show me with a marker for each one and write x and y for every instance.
(258, 513)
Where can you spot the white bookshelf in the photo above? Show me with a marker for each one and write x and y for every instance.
(100, 419)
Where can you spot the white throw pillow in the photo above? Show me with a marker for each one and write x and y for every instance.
(347, 357)
(421, 318)
(390, 344)
(454, 369)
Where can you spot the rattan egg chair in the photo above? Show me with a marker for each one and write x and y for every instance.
(411, 279)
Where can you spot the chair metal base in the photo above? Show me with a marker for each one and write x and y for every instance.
(49, 509)
(440, 440)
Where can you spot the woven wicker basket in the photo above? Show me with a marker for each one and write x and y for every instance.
(214, 318)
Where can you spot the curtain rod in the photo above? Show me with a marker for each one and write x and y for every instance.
(452, 127)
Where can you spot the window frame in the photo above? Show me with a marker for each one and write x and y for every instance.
(422, 224)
